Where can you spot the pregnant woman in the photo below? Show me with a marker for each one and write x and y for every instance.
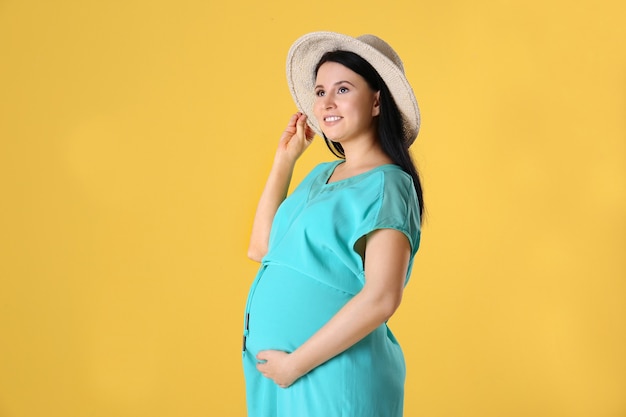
(337, 252)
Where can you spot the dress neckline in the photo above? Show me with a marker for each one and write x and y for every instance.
(334, 166)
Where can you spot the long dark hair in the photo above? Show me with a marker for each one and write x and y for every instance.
(390, 131)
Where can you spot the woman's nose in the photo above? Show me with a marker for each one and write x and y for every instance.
(328, 101)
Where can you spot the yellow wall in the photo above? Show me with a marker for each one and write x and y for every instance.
(134, 141)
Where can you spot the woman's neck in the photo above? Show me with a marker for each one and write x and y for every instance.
(364, 155)
(359, 159)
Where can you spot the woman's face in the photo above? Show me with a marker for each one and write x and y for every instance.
(345, 106)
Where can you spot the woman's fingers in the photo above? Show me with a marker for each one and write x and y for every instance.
(292, 121)
(301, 126)
(309, 133)
(261, 356)
(304, 131)
(291, 128)
(296, 137)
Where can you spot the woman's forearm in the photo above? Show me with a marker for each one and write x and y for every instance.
(358, 318)
(273, 195)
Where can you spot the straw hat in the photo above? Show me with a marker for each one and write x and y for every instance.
(306, 52)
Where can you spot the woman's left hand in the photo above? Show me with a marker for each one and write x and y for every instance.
(278, 366)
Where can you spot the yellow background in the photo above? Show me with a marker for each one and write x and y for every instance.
(135, 138)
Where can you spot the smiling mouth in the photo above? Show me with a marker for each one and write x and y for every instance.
(331, 118)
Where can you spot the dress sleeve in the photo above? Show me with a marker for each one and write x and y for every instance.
(394, 206)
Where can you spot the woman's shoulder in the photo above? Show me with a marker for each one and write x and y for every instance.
(394, 177)
(397, 189)
(395, 172)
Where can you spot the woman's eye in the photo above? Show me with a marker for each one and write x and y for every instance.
(319, 93)
(342, 90)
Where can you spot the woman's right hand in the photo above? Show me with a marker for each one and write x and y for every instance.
(297, 136)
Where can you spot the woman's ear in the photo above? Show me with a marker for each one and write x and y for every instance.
(376, 105)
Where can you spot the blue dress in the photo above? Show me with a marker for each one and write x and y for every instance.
(314, 265)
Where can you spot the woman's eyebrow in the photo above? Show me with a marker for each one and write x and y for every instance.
(337, 83)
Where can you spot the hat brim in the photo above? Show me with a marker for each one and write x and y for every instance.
(307, 51)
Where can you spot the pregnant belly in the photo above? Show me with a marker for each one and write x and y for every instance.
(286, 308)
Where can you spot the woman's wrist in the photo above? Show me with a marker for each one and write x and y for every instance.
(299, 363)
(283, 162)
